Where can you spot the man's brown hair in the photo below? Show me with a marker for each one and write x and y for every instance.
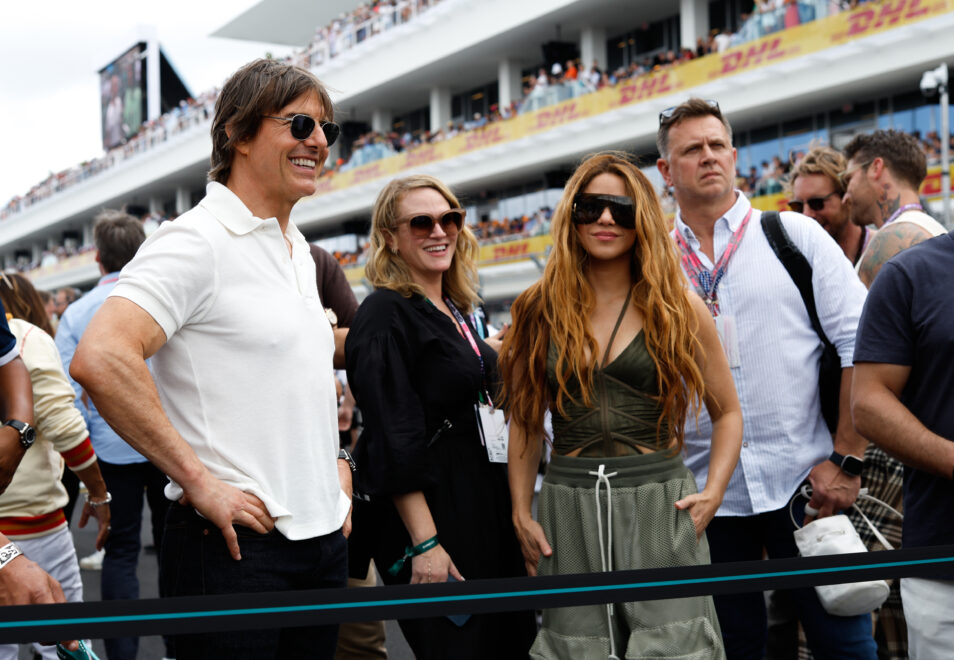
(117, 236)
(901, 153)
(694, 107)
(259, 88)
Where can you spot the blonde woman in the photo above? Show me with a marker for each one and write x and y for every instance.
(620, 352)
(439, 508)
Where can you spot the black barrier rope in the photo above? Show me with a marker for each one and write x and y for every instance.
(196, 614)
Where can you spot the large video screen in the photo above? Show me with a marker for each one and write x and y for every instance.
(123, 94)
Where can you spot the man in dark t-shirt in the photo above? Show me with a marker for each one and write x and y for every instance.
(901, 400)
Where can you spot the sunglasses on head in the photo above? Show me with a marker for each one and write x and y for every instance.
(302, 126)
(814, 203)
(667, 114)
(587, 209)
(422, 224)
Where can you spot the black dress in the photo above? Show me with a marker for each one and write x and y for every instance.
(415, 380)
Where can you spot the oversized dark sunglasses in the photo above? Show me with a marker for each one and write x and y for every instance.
(302, 127)
(422, 224)
(814, 203)
(587, 209)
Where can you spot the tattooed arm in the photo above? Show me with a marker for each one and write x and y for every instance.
(889, 240)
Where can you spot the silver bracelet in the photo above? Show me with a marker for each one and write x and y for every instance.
(109, 498)
(8, 553)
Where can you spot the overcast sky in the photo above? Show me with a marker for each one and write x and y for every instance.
(50, 53)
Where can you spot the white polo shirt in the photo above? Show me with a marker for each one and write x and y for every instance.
(246, 373)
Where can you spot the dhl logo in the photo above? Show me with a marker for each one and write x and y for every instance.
(753, 56)
(421, 156)
(644, 88)
(510, 251)
(555, 117)
(865, 19)
(367, 174)
(483, 138)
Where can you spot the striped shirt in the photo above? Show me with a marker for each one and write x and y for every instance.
(777, 374)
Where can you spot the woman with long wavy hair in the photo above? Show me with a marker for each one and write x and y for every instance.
(438, 507)
(612, 342)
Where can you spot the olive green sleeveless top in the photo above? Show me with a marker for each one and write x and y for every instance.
(625, 406)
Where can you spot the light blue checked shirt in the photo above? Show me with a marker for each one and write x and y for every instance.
(107, 445)
(777, 377)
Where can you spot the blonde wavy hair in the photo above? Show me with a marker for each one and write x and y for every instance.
(557, 309)
(387, 270)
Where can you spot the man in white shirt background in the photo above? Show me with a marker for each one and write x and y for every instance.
(774, 354)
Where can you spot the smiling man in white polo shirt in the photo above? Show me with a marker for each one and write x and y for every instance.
(242, 415)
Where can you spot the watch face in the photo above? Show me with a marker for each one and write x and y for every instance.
(27, 432)
(853, 465)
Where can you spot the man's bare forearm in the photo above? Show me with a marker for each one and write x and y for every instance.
(110, 364)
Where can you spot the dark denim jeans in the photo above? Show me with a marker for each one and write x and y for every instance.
(743, 616)
(195, 561)
(128, 484)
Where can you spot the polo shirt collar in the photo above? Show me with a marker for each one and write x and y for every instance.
(228, 209)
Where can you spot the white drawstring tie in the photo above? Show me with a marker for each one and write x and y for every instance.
(606, 553)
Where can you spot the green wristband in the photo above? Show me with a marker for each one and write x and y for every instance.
(413, 551)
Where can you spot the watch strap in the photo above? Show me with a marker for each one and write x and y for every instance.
(850, 465)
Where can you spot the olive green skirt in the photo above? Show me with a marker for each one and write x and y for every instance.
(640, 528)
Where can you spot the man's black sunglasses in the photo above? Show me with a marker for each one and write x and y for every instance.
(587, 209)
(814, 203)
(302, 127)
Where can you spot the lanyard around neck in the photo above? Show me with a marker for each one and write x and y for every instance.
(903, 209)
(465, 330)
(707, 282)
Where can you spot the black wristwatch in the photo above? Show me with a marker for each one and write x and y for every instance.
(345, 455)
(850, 465)
(27, 432)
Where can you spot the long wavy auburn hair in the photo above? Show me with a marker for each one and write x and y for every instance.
(388, 270)
(557, 309)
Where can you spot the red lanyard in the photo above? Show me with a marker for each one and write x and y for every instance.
(706, 282)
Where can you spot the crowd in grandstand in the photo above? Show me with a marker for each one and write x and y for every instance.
(562, 81)
(434, 492)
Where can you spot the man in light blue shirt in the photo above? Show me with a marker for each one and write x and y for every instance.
(774, 354)
(128, 474)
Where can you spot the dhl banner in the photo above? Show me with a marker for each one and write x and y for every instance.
(525, 248)
(863, 21)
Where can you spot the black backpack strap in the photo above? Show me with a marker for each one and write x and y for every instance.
(795, 263)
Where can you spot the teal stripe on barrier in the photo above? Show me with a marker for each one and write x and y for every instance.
(467, 597)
